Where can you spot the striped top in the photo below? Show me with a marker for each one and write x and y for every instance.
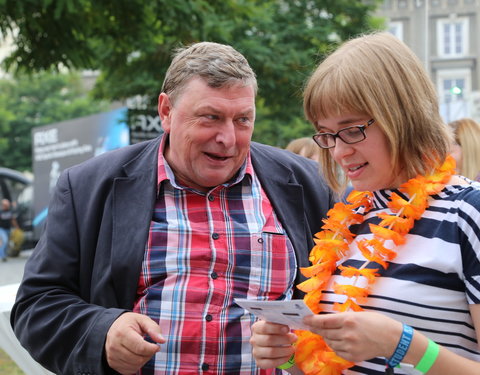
(435, 276)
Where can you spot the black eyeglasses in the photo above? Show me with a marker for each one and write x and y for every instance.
(352, 134)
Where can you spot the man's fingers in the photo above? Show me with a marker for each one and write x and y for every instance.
(138, 345)
(126, 348)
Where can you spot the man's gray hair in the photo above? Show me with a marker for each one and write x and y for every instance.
(219, 65)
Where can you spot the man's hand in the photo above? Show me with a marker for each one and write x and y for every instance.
(125, 347)
(271, 344)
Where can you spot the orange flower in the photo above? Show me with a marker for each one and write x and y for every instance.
(360, 198)
(314, 357)
(387, 234)
(371, 255)
(343, 213)
(311, 284)
(380, 250)
(328, 241)
(351, 291)
(306, 342)
(399, 205)
(336, 227)
(319, 269)
(349, 304)
(448, 166)
(368, 273)
(415, 189)
(434, 183)
(401, 225)
(325, 254)
(312, 300)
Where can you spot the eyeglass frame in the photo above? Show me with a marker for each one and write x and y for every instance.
(337, 134)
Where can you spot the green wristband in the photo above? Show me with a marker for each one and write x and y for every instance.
(429, 358)
(288, 364)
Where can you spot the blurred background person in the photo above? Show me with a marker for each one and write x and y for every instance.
(304, 146)
(7, 221)
(466, 149)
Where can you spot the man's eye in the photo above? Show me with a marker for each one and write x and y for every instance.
(211, 117)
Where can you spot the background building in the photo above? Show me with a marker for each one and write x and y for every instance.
(445, 35)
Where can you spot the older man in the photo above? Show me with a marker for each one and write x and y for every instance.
(146, 247)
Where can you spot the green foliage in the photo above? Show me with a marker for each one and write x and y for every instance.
(34, 100)
(130, 42)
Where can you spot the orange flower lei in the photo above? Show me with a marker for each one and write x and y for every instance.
(313, 356)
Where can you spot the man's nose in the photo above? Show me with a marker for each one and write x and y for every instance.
(226, 134)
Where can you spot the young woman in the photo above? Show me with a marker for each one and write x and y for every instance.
(400, 263)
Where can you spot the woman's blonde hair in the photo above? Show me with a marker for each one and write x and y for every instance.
(304, 146)
(379, 76)
(467, 135)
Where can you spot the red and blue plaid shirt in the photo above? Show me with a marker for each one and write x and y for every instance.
(204, 250)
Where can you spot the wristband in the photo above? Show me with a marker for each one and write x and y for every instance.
(288, 364)
(429, 358)
(402, 347)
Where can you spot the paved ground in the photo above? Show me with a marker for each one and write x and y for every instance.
(11, 271)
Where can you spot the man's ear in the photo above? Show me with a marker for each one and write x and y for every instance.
(164, 111)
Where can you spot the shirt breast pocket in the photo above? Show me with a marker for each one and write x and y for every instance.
(273, 266)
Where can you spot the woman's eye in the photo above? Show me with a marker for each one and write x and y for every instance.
(353, 131)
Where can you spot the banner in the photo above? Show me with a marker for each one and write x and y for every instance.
(58, 146)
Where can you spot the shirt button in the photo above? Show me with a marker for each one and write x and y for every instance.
(215, 236)
(205, 366)
(211, 198)
(260, 240)
(208, 318)
(214, 275)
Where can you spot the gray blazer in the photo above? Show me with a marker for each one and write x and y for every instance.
(84, 271)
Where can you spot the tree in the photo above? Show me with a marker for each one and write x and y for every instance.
(35, 100)
(130, 42)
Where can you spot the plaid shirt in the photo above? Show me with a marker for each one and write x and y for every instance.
(204, 250)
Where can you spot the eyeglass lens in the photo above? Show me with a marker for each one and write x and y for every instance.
(352, 134)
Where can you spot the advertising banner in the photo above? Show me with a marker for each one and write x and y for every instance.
(58, 146)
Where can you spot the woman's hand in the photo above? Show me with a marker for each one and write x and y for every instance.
(357, 336)
(272, 344)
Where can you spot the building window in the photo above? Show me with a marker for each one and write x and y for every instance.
(454, 88)
(452, 37)
(396, 28)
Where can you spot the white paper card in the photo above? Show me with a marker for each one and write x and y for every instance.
(290, 313)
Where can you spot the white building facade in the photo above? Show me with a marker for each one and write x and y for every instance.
(445, 35)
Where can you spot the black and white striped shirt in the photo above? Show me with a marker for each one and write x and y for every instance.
(435, 276)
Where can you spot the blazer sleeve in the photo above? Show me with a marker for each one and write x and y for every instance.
(51, 303)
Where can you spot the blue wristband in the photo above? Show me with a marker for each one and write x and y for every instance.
(402, 347)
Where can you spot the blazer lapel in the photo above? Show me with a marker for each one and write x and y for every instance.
(133, 202)
(286, 197)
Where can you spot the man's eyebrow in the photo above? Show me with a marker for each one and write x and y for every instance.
(248, 112)
(209, 108)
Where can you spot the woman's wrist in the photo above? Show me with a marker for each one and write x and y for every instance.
(402, 347)
(417, 348)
